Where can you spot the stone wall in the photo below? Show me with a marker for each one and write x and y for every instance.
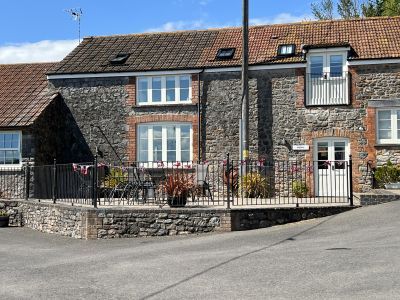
(56, 135)
(89, 223)
(12, 208)
(375, 197)
(128, 223)
(110, 104)
(105, 223)
(377, 82)
(49, 218)
(101, 102)
(221, 112)
(260, 218)
(278, 116)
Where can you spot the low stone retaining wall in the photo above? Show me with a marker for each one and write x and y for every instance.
(247, 219)
(13, 210)
(114, 222)
(378, 196)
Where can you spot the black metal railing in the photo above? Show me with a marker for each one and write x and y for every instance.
(328, 88)
(223, 183)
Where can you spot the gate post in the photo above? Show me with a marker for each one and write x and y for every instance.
(94, 182)
(351, 180)
(228, 188)
(27, 181)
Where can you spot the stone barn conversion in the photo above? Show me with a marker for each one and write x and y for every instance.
(319, 91)
(166, 107)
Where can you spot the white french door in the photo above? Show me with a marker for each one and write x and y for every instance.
(327, 80)
(330, 167)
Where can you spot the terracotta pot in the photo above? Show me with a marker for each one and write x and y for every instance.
(177, 201)
(4, 221)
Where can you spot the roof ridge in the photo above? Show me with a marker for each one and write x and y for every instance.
(239, 27)
(28, 64)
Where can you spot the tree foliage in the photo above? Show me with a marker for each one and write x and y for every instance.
(373, 8)
(323, 10)
(391, 8)
(349, 9)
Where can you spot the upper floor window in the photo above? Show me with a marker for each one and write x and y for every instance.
(164, 89)
(388, 126)
(327, 78)
(10, 148)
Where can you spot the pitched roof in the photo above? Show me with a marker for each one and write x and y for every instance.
(23, 93)
(370, 38)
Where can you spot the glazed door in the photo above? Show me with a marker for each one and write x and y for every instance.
(331, 161)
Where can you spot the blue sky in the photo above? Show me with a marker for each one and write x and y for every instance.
(42, 30)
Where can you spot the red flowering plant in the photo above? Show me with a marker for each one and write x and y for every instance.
(178, 184)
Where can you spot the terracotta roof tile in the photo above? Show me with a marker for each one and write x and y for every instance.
(370, 38)
(23, 93)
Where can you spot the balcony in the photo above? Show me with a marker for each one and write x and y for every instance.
(327, 89)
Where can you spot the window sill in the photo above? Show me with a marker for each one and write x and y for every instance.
(164, 105)
(387, 145)
(326, 105)
(7, 168)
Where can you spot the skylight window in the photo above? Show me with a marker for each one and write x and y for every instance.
(286, 50)
(226, 53)
(119, 59)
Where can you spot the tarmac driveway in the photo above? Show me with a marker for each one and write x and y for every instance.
(354, 255)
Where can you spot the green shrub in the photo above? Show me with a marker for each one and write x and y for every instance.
(3, 213)
(388, 173)
(299, 189)
(254, 185)
(116, 177)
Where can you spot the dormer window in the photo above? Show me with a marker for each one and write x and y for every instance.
(226, 53)
(119, 59)
(286, 50)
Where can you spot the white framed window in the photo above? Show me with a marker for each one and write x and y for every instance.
(166, 142)
(327, 78)
(10, 148)
(388, 126)
(172, 89)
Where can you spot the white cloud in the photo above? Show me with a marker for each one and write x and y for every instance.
(279, 19)
(178, 25)
(201, 24)
(42, 51)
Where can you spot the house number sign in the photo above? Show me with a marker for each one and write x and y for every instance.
(301, 147)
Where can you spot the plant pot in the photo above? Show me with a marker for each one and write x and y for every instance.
(177, 201)
(4, 221)
(392, 186)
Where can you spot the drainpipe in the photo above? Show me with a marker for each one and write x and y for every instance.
(199, 117)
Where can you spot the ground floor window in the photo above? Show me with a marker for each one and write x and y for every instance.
(388, 126)
(10, 148)
(164, 142)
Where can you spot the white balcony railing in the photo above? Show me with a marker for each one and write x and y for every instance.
(327, 89)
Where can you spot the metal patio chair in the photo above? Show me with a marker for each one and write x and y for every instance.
(201, 180)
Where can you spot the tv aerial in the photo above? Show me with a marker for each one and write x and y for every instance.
(76, 14)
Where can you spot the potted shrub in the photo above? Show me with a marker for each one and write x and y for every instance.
(299, 189)
(177, 187)
(254, 185)
(4, 218)
(388, 176)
